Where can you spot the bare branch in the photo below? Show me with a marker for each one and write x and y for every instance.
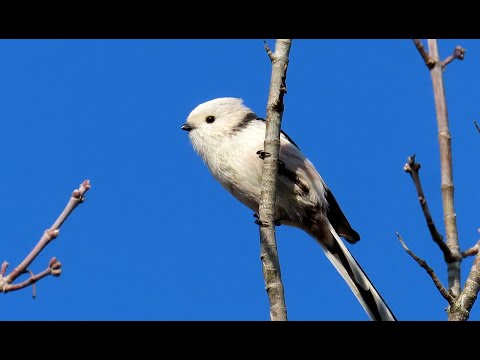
(53, 269)
(460, 310)
(269, 52)
(476, 125)
(429, 61)
(3, 270)
(444, 140)
(429, 270)
(50, 234)
(458, 53)
(34, 286)
(266, 213)
(76, 199)
(472, 251)
(413, 168)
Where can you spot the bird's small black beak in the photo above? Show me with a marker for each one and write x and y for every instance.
(187, 127)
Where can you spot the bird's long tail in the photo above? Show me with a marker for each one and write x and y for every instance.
(354, 275)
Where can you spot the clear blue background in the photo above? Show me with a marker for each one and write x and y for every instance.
(159, 239)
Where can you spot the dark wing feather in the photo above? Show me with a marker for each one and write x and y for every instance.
(338, 220)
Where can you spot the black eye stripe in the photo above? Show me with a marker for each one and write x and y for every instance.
(210, 119)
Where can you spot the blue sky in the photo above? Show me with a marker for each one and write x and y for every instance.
(159, 239)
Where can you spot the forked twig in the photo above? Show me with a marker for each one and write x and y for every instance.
(429, 270)
(54, 266)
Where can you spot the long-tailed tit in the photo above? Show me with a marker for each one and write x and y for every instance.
(228, 135)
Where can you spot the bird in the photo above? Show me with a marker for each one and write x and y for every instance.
(229, 137)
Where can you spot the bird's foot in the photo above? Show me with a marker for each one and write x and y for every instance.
(262, 154)
(257, 219)
(276, 222)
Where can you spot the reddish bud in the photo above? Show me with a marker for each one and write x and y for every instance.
(52, 234)
(57, 273)
(76, 194)
(86, 185)
(52, 261)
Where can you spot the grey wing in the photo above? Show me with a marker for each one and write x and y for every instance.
(297, 173)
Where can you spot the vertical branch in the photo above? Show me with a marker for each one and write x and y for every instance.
(424, 54)
(460, 301)
(460, 310)
(444, 140)
(268, 244)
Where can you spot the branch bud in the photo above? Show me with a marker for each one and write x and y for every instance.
(56, 273)
(52, 234)
(52, 261)
(459, 52)
(76, 194)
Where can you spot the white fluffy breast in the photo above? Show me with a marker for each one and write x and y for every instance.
(229, 144)
(233, 161)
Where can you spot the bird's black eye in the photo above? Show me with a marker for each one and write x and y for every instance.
(210, 119)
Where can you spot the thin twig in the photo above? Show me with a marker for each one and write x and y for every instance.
(50, 234)
(476, 125)
(269, 52)
(266, 213)
(472, 251)
(413, 168)
(3, 270)
(34, 286)
(429, 270)
(429, 61)
(76, 199)
(54, 270)
(445, 144)
(458, 53)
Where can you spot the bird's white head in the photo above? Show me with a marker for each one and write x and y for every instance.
(210, 122)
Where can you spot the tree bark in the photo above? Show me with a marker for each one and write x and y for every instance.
(268, 243)
(444, 140)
